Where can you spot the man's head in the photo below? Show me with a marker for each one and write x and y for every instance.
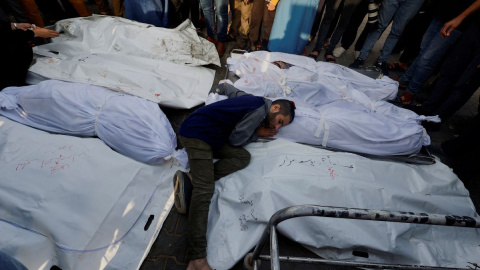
(281, 114)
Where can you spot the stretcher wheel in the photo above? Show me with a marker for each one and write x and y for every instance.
(246, 262)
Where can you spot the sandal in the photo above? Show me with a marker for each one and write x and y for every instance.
(329, 58)
(407, 98)
(313, 56)
(397, 66)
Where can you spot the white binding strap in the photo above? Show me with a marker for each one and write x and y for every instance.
(321, 126)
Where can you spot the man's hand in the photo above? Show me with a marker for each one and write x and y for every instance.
(270, 7)
(448, 27)
(45, 33)
(266, 132)
(21, 26)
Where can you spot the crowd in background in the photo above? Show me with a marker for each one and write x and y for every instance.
(436, 37)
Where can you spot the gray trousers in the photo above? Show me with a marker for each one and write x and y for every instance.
(204, 174)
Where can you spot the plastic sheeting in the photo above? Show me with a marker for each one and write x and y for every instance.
(115, 35)
(314, 82)
(382, 129)
(336, 106)
(131, 125)
(283, 174)
(154, 63)
(74, 203)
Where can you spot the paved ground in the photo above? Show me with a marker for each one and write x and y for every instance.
(169, 250)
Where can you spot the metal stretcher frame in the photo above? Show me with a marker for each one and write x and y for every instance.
(423, 157)
(251, 260)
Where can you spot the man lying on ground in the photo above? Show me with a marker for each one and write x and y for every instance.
(219, 130)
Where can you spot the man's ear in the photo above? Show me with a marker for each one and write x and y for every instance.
(275, 108)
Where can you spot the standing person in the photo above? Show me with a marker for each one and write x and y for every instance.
(402, 11)
(16, 51)
(459, 76)
(219, 130)
(241, 23)
(331, 8)
(216, 33)
(263, 14)
(292, 25)
(445, 29)
(349, 7)
(350, 33)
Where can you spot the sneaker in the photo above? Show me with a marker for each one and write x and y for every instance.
(182, 188)
(383, 67)
(357, 63)
(338, 51)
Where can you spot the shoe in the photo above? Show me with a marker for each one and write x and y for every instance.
(220, 48)
(383, 67)
(329, 58)
(214, 41)
(357, 63)
(338, 51)
(182, 188)
(313, 56)
(407, 98)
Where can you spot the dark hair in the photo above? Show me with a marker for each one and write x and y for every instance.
(287, 107)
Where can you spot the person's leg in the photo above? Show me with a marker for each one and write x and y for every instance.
(432, 31)
(405, 12)
(427, 61)
(103, 7)
(200, 158)
(194, 12)
(316, 21)
(81, 8)
(207, 7)
(267, 24)
(118, 8)
(245, 15)
(16, 10)
(385, 15)
(349, 7)
(236, 10)
(230, 160)
(459, 78)
(31, 12)
(255, 22)
(331, 7)
(222, 19)
(412, 46)
(356, 19)
(462, 91)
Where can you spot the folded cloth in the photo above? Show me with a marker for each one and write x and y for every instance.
(133, 126)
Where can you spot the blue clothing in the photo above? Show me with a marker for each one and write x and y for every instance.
(221, 11)
(404, 11)
(7, 262)
(147, 11)
(292, 25)
(432, 50)
(459, 77)
(214, 123)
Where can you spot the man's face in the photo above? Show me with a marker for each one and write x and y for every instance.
(275, 119)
